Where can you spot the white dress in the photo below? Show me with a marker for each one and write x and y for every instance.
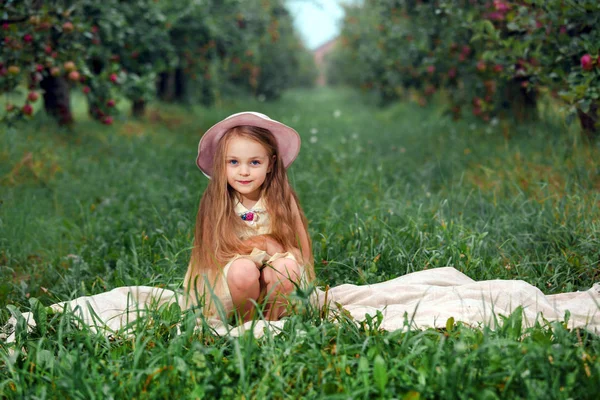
(257, 223)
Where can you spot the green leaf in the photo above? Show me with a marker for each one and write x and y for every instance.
(21, 325)
(40, 315)
(489, 27)
(585, 105)
(450, 324)
(511, 26)
(380, 374)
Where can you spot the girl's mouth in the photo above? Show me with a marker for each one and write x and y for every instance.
(244, 182)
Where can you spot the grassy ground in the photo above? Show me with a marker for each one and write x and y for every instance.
(387, 192)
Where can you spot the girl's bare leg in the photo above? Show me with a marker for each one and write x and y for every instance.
(243, 281)
(279, 280)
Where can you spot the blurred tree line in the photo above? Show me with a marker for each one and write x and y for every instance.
(184, 50)
(491, 58)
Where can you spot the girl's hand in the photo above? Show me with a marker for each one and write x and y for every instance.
(259, 242)
(266, 243)
(273, 246)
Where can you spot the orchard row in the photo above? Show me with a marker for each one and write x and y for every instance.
(493, 58)
(141, 49)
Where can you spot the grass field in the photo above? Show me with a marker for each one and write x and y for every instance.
(386, 192)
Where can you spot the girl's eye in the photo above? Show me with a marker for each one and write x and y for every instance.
(255, 162)
(233, 162)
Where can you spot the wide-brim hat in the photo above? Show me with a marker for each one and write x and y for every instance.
(288, 140)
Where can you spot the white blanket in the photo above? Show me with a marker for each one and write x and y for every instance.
(425, 298)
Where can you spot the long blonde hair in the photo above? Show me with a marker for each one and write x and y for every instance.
(216, 237)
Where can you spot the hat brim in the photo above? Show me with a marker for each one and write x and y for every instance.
(288, 140)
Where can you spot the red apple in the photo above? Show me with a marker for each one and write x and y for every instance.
(6, 26)
(74, 76)
(69, 66)
(48, 49)
(481, 67)
(28, 38)
(33, 96)
(43, 26)
(498, 68)
(113, 78)
(429, 90)
(500, 6)
(55, 71)
(27, 109)
(86, 89)
(110, 103)
(108, 120)
(586, 62)
(431, 69)
(68, 27)
(39, 67)
(3, 71)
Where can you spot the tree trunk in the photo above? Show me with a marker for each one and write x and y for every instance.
(57, 99)
(164, 86)
(179, 85)
(171, 85)
(589, 122)
(96, 65)
(138, 108)
(521, 102)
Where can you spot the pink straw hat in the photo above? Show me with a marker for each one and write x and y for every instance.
(288, 140)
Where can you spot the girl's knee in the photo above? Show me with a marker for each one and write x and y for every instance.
(242, 277)
(284, 272)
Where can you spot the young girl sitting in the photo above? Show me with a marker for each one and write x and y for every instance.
(251, 244)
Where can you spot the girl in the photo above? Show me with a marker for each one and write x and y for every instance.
(251, 243)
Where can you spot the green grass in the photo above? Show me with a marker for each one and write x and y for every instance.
(386, 192)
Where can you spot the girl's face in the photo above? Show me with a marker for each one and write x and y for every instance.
(248, 164)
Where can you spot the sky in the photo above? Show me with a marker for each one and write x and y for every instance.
(317, 20)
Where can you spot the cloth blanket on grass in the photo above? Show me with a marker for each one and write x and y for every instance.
(427, 299)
